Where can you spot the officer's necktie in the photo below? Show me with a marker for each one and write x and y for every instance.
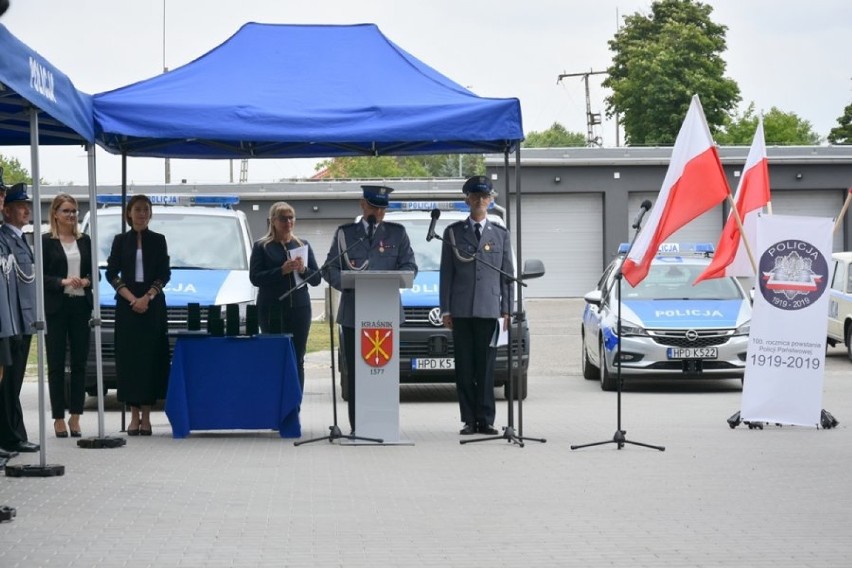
(477, 230)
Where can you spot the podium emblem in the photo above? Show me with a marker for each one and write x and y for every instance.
(376, 345)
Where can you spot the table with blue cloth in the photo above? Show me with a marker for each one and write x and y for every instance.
(234, 383)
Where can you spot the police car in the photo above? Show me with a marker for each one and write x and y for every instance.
(209, 249)
(840, 302)
(426, 352)
(669, 327)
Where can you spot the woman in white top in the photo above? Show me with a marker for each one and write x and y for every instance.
(68, 308)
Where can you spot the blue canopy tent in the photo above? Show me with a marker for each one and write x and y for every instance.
(40, 106)
(297, 91)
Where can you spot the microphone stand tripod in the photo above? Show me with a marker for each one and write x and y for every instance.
(334, 432)
(620, 436)
(509, 430)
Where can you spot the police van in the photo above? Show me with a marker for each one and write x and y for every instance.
(209, 246)
(426, 353)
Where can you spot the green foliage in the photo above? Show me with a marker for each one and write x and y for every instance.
(779, 128)
(554, 137)
(660, 61)
(443, 165)
(13, 171)
(842, 134)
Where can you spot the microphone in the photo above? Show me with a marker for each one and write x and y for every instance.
(644, 208)
(371, 226)
(430, 234)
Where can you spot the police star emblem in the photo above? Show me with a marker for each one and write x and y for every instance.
(376, 345)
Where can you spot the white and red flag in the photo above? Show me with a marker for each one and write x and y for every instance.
(695, 182)
(731, 258)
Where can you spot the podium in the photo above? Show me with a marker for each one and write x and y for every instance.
(377, 352)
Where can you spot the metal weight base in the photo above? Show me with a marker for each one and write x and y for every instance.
(49, 470)
(95, 443)
(827, 421)
(7, 513)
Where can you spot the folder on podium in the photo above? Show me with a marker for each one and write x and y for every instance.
(377, 351)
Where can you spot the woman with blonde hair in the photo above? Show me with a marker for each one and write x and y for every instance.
(281, 261)
(68, 307)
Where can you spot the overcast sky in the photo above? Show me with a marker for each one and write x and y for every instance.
(789, 54)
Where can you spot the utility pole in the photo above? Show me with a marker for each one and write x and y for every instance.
(592, 118)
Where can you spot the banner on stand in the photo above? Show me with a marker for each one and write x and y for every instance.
(786, 349)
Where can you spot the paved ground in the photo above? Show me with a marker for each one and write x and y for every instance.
(778, 497)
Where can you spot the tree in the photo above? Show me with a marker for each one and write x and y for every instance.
(554, 137)
(780, 129)
(659, 62)
(13, 171)
(842, 134)
(441, 165)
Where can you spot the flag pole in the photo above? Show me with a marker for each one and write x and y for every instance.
(843, 210)
(743, 239)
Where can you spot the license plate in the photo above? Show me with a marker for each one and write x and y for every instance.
(434, 364)
(692, 352)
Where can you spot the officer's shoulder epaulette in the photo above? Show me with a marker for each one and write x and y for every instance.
(457, 223)
(501, 227)
(393, 224)
(348, 225)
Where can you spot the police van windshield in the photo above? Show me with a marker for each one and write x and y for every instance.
(674, 282)
(204, 242)
(426, 254)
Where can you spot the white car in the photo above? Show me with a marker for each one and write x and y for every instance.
(669, 328)
(840, 302)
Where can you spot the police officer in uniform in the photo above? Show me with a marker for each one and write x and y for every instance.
(19, 271)
(474, 299)
(368, 244)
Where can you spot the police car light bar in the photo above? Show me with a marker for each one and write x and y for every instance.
(677, 248)
(225, 201)
(429, 205)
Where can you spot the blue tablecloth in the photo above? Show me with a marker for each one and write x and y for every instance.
(240, 383)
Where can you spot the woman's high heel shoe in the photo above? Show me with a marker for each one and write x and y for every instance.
(60, 433)
(75, 432)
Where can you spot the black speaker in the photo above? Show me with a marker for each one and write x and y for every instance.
(193, 316)
(232, 321)
(251, 320)
(274, 322)
(214, 321)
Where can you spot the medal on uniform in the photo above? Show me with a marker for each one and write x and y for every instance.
(487, 247)
(381, 247)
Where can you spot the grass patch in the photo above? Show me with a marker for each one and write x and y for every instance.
(318, 338)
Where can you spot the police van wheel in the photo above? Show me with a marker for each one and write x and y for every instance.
(607, 380)
(849, 342)
(517, 392)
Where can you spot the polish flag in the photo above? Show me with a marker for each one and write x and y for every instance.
(695, 182)
(731, 258)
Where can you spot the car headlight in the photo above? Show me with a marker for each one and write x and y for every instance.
(744, 329)
(629, 328)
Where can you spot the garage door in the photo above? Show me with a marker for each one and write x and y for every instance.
(811, 204)
(319, 234)
(705, 228)
(566, 233)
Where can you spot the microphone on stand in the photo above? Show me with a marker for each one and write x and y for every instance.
(644, 208)
(430, 234)
(371, 227)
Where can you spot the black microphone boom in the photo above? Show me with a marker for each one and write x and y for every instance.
(430, 234)
(644, 208)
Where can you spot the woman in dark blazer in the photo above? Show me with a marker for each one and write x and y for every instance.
(275, 268)
(138, 269)
(68, 306)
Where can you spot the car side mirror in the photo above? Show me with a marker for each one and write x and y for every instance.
(533, 268)
(593, 297)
